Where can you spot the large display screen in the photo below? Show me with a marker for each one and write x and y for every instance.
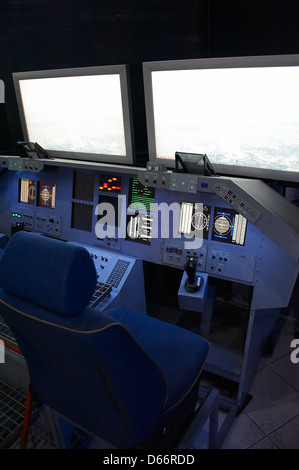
(81, 113)
(242, 112)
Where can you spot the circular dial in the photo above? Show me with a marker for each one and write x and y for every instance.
(199, 221)
(45, 195)
(222, 224)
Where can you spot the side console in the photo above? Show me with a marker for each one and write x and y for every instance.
(117, 277)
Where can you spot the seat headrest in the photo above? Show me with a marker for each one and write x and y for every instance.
(53, 274)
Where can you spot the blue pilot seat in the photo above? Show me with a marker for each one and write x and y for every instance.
(123, 376)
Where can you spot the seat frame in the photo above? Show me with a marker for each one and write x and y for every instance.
(206, 415)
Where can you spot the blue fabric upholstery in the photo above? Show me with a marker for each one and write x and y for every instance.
(55, 275)
(3, 241)
(93, 372)
(177, 352)
(117, 374)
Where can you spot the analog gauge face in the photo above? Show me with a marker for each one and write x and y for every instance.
(45, 195)
(199, 221)
(222, 224)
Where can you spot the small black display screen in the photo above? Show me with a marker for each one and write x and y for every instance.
(27, 189)
(140, 196)
(194, 219)
(83, 187)
(110, 184)
(46, 195)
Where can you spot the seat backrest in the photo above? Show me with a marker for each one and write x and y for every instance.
(81, 362)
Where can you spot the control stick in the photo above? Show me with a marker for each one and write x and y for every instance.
(193, 282)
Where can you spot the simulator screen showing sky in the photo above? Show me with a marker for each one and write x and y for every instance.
(75, 114)
(237, 116)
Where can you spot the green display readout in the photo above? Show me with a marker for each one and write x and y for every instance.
(140, 196)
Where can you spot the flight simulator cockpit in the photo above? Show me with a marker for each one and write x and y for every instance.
(200, 234)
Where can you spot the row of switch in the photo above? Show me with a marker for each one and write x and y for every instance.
(96, 257)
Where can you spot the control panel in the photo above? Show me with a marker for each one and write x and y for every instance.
(231, 196)
(42, 222)
(111, 268)
(120, 280)
(176, 255)
(120, 218)
(227, 264)
(21, 164)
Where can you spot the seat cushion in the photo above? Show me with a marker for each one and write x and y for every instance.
(180, 354)
(63, 279)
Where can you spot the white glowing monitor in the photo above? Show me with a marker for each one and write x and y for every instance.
(243, 112)
(81, 113)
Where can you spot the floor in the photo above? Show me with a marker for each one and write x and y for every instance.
(271, 419)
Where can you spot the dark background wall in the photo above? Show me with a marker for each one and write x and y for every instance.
(46, 34)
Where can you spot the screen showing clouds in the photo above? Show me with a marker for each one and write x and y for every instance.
(75, 114)
(237, 116)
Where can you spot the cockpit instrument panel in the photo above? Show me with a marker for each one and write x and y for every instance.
(139, 212)
(27, 191)
(228, 226)
(46, 195)
(194, 219)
